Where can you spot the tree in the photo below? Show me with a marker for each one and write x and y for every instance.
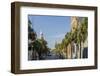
(84, 33)
(30, 29)
(44, 48)
(40, 46)
(78, 36)
(84, 29)
(31, 33)
(59, 50)
(37, 45)
(32, 48)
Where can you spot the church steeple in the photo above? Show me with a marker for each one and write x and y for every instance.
(41, 35)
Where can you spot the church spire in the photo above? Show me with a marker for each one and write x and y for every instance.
(41, 35)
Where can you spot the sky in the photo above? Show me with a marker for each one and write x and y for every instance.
(53, 28)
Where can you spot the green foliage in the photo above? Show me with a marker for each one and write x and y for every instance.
(78, 36)
(38, 45)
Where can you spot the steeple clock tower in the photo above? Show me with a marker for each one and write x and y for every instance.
(41, 35)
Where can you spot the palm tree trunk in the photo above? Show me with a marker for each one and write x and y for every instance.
(80, 50)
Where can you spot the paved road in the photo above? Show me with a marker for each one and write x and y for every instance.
(52, 56)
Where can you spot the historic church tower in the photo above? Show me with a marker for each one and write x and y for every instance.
(41, 35)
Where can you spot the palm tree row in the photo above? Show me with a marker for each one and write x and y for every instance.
(77, 37)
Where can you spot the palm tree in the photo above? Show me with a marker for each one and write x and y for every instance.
(74, 43)
(66, 43)
(31, 41)
(37, 45)
(77, 37)
(84, 33)
(43, 47)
